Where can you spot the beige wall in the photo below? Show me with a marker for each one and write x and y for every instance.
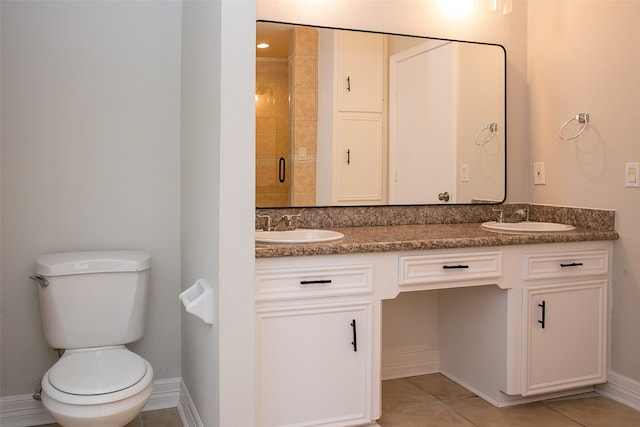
(584, 57)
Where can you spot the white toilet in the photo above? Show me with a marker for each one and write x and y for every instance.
(91, 305)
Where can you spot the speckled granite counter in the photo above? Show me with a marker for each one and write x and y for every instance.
(427, 236)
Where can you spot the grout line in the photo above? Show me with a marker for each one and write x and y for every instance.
(560, 413)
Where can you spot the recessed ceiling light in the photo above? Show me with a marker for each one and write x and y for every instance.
(262, 45)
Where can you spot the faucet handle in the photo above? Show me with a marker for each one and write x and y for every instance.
(267, 223)
(500, 212)
(291, 216)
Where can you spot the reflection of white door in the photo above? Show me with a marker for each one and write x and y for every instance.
(422, 125)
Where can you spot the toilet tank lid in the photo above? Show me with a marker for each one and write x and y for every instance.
(64, 263)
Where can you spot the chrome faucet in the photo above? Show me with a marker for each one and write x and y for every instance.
(519, 215)
(286, 223)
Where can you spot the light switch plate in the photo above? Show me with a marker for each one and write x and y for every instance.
(464, 173)
(632, 174)
(539, 177)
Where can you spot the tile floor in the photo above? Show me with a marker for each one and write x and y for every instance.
(435, 401)
(159, 418)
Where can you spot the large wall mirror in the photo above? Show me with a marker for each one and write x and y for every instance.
(348, 118)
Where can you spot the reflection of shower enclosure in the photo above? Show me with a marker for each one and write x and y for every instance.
(272, 132)
(286, 123)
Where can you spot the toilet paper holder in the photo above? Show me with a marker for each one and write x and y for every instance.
(198, 300)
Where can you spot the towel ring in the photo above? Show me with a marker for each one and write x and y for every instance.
(492, 128)
(581, 118)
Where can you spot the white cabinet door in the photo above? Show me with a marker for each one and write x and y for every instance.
(314, 365)
(360, 71)
(565, 339)
(359, 157)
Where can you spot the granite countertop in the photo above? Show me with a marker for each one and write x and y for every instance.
(428, 236)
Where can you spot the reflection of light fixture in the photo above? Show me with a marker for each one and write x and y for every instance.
(270, 96)
(462, 8)
(456, 8)
(262, 45)
(502, 6)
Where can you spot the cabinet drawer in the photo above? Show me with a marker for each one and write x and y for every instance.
(418, 269)
(308, 282)
(565, 264)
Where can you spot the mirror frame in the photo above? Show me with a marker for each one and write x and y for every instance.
(417, 37)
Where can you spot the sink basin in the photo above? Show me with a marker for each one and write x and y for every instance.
(526, 227)
(301, 235)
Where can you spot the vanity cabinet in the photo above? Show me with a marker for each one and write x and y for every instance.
(314, 345)
(564, 320)
(359, 119)
(514, 324)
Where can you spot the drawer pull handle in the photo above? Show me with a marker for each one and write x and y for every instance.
(451, 267)
(543, 305)
(315, 282)
(354, 343)
(571, 264)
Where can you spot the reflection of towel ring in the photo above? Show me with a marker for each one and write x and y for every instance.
(492, 128)
(581, 118)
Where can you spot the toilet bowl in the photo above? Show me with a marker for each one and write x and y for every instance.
(97, 387)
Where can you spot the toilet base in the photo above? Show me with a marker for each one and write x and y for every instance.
(113, 414)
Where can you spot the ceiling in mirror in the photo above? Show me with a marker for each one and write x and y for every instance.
(347, 117)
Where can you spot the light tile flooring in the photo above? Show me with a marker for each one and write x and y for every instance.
(159, 418)
(435, 401)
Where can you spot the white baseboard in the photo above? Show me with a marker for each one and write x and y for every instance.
(621, 389)
(187, 410)
(24, 411)
(409, 362)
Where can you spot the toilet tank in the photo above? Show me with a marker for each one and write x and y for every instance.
(93, 299)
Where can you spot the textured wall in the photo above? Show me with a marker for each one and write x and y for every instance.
(583, 57)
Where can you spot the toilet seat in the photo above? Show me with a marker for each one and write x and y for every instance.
(97, 376)
(91, 372)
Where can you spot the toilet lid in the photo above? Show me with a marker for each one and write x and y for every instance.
(97, 371)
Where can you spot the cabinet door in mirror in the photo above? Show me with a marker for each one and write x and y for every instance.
(440, 105)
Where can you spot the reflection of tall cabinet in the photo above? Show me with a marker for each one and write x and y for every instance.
(359, 142)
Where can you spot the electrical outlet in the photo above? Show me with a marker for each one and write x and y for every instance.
(539, 177)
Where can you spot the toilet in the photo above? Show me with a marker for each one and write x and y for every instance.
(91, 305)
